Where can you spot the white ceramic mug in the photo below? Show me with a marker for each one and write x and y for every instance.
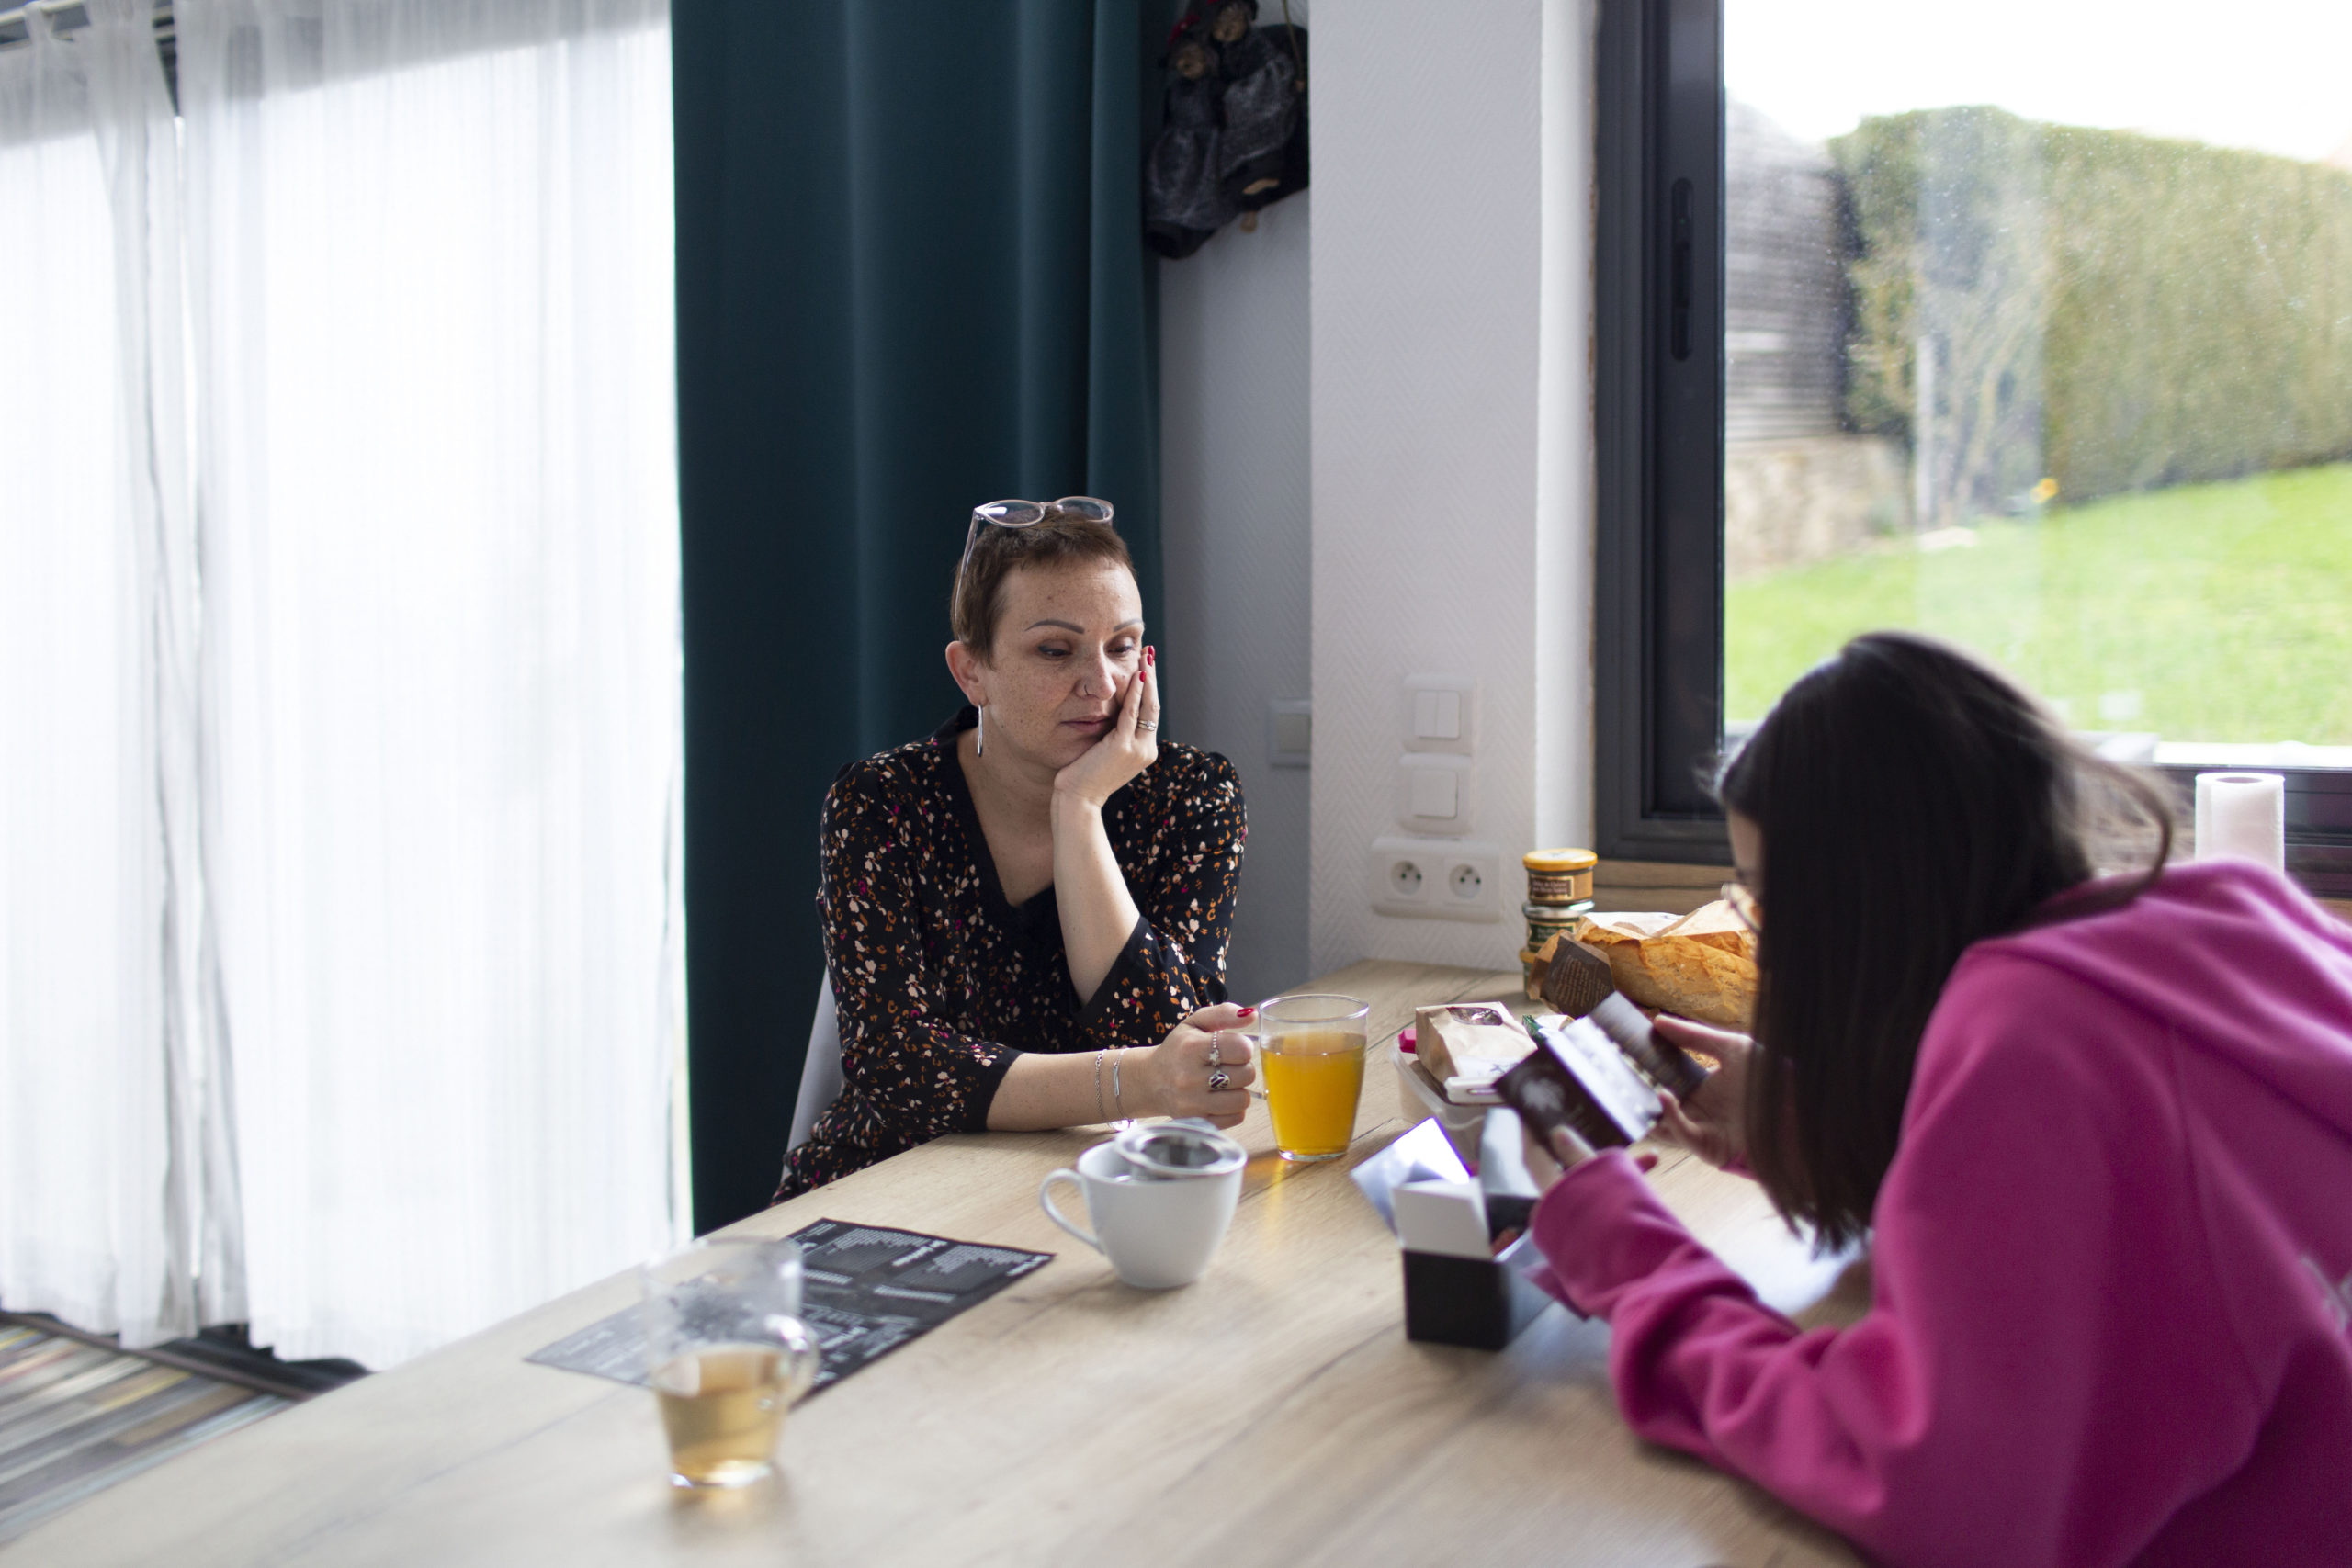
(1158, 1233)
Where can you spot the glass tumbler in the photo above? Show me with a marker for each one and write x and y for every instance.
(726, 1354)
(1310, 1053)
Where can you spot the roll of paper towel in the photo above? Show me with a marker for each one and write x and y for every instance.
(2242, 814)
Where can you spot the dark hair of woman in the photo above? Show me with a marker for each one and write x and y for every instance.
(1911, 803)
(977, 602)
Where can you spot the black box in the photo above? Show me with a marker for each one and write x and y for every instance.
(1482, 1303)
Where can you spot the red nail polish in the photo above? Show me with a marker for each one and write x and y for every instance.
(1246, 1012)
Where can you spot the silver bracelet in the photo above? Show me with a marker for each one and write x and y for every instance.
(1098, 1083)
(1118, 1101)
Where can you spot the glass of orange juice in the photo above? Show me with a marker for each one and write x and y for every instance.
(1310, 1053)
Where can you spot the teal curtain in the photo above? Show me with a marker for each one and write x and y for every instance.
(911, 278)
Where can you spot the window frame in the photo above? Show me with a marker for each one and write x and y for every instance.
(1659, 455)
(1658, 430)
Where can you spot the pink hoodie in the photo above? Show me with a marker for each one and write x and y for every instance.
(2111, 1263)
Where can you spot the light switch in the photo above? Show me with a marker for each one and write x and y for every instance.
(1434, 795)
(1440, 713)
(1290, 732)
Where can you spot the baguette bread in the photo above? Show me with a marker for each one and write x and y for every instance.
(1700, 965)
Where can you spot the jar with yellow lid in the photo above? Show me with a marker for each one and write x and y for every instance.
(1559, 891)
(1560, 877)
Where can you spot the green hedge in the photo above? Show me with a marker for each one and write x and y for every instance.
(2118, 310)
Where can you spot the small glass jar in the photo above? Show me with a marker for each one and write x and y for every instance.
(1556, 877)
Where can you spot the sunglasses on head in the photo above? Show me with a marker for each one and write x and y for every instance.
(1026, 515)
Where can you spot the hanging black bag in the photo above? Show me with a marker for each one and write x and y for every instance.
(1233, 136)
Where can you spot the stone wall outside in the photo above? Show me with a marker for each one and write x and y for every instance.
(1791, 503)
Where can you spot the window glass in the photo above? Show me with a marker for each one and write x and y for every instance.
(2038, 337)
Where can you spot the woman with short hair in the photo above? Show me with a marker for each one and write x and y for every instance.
(2097, 1133)
(1025, 914)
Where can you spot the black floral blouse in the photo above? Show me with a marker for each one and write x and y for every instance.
(940, 983)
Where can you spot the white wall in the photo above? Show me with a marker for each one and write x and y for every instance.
(1451, 510)
(1375, 429)
(1233, 444)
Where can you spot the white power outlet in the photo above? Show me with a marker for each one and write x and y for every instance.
(1436, 879)
(1402, 874)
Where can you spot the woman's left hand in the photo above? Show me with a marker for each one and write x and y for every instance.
(1131, 744)
(1548, 1161)
(1201, 1069)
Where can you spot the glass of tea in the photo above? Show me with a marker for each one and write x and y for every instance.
(1310, 1053)
(726, 1354)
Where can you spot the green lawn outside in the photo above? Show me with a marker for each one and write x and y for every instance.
(2219, 612)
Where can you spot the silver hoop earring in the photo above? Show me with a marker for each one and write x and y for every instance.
(980, 732)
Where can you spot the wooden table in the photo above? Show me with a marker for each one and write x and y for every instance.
(1273, 1413)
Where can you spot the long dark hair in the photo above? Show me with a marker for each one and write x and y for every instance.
(1911, 802)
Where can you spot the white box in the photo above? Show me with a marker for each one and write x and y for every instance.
(1448, 1218)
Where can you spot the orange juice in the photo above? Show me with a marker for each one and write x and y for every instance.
(1313, 1079)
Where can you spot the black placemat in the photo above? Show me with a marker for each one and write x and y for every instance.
(869, 1289)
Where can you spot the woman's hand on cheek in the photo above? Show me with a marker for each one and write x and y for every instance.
(1131, 744)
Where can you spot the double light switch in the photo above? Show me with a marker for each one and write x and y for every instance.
(1437, 715)
(1435, 784)
(1440, 713)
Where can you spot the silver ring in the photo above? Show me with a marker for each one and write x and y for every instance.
(1215, 1058)
(1217, 1080)
(1141, 727)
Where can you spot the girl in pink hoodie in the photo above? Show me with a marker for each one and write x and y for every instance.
(2099, 1134)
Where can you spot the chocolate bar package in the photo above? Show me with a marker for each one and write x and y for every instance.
(1599, 1075)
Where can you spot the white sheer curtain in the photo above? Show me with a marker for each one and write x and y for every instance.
(430, 245)
(103, 1131)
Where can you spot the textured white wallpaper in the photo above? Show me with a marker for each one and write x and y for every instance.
(1452, 511)
(1235, 495)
